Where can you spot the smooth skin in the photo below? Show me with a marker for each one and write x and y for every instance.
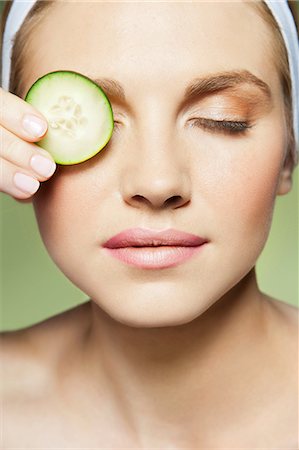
(189, 357)
(21, 125)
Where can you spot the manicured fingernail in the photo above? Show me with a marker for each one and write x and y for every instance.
(43, 166)
(25, 183)
(34, 125)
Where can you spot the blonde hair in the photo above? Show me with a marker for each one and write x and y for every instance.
(282, 65)
(22, 40)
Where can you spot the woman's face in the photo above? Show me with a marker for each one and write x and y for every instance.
(162, 169)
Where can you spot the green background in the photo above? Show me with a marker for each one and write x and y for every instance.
(33, 288)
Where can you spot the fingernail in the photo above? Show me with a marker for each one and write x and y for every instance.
(34, 125)
(43, 166)
(25, 183)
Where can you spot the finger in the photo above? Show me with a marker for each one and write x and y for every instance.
(38, 162)
(21, 118)
(15, 182)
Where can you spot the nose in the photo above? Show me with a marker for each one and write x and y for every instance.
(155, 175)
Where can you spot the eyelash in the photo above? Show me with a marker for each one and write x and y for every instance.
(222, 126)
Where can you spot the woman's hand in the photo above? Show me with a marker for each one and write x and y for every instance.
(23, 164)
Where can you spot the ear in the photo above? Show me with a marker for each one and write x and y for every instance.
(286, 175)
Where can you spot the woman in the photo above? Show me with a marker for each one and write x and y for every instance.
(169, 352)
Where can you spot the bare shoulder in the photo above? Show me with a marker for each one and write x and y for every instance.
(279, 360)
(54, 328)
(284, 312)
(29, 355)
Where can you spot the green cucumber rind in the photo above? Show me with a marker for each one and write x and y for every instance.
(30, 94)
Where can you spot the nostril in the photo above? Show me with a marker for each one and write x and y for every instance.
(139, 198)
(175, 200)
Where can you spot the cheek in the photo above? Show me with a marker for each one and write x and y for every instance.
(243, 192)
(67, 209)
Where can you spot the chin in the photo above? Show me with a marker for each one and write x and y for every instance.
(164, 303)
(155, 320)
(155, 311)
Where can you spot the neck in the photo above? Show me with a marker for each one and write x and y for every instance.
(157, 369)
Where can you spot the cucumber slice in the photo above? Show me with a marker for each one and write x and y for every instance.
(79, 115)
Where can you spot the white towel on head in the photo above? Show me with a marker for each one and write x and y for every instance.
(17, 14)
(284, 18)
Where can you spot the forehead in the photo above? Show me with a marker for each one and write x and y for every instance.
(152, 40)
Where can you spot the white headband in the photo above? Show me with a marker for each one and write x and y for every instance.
(279, 9)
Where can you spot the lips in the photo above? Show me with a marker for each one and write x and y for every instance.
(149, 249)
(142, 237)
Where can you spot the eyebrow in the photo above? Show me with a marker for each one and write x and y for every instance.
(111, 87)
(199, 86)
(225, 80)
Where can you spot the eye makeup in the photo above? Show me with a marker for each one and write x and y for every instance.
(245, 103)
(231, 112)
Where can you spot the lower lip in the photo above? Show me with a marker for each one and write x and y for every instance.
(154, 257)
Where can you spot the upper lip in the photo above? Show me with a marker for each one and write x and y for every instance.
(143, 237)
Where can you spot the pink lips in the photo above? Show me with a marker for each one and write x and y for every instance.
(150, 249)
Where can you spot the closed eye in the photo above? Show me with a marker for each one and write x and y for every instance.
(221, 126)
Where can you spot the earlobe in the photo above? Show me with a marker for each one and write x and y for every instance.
(286, 176)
